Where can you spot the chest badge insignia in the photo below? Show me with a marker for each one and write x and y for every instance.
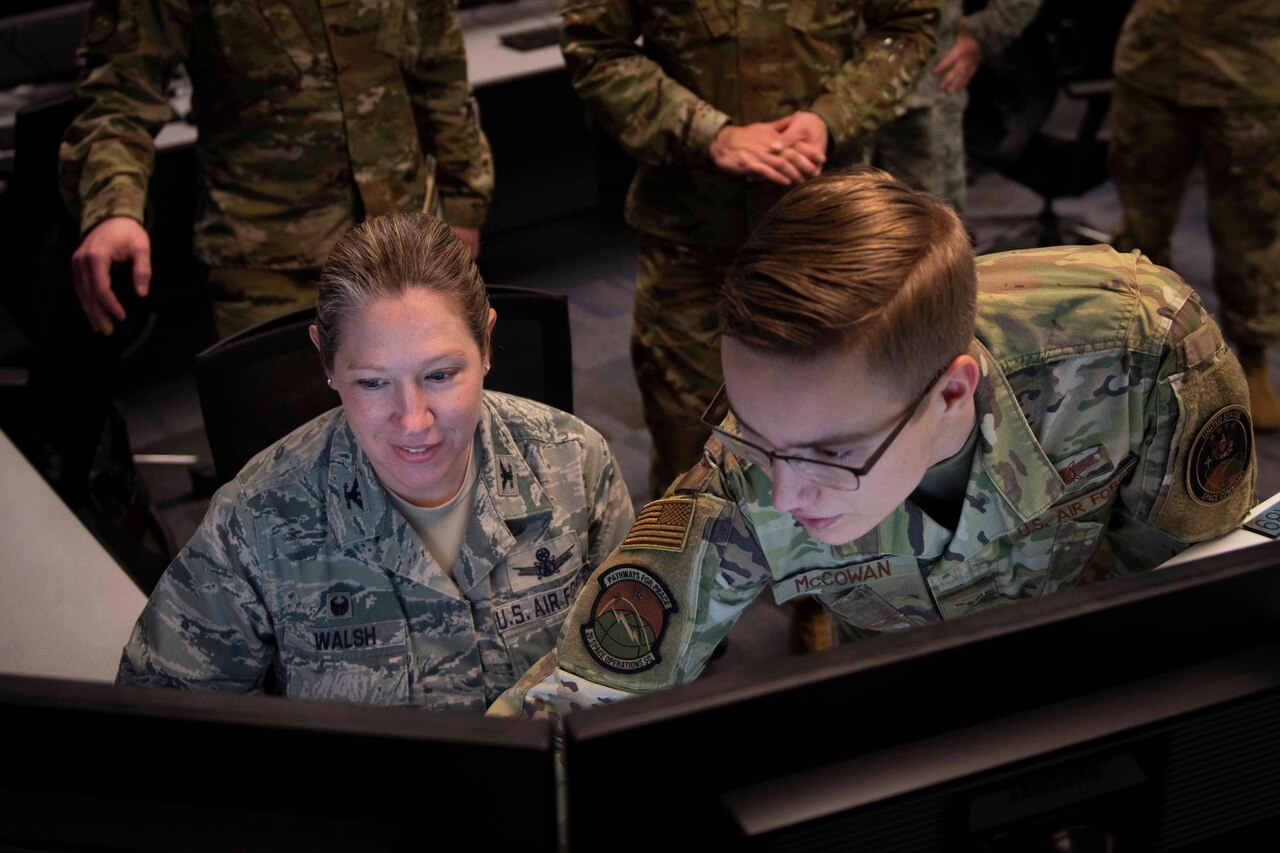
(507, 477)
(351, 494)
(544, 565)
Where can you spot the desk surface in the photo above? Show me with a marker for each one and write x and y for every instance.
(1238, 538)
(67, 606)
(489, 60)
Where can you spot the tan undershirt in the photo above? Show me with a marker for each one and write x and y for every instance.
(443, 528)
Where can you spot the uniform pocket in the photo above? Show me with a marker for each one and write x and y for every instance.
(864, 608)
(1074, 547)
(258, 47)
(364, 663)
(676, 25)
(824, 18)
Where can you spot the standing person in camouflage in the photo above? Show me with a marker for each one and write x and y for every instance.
(311, 117)
(725, 105)
(1201, 81)
(419, 545)
(925, 145)
(909, 439)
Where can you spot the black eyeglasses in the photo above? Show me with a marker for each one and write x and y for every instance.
(819, 471)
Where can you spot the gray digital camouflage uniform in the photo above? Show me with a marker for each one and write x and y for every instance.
(1200, 81)
(924, 147)
(311, 116)
(1113, 431)
(303, 566)
(698, 66)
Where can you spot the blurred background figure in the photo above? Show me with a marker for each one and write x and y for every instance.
(924, 147)
(1200, 82)
(310, 118)
(725, 107)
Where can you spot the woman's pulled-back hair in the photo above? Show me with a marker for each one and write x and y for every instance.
(385, 257)
(856, 258)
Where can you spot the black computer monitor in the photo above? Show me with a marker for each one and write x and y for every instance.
(1142, 713)
(98, 767)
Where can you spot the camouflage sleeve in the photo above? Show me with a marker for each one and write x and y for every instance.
(997, 25)
(448, 120)
(205, 627)
(1196, 470)
(611, 512)
(871, 89)
(129, 52)
(650, 617)
(654, 118)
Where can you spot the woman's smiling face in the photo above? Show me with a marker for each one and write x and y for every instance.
(410, 376)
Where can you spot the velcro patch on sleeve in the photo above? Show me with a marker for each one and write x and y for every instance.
(1219, 457)
(662, 525)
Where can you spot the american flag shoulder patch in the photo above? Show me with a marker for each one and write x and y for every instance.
(662, 524)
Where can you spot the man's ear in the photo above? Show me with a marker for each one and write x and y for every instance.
(958, 383)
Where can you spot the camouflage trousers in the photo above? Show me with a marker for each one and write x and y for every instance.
(675, 348)
(247, 297)
(1153, 148)
(924, 148)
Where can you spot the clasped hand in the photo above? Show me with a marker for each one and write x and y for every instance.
(787, 151)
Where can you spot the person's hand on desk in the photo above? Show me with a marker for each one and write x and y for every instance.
(117, 239)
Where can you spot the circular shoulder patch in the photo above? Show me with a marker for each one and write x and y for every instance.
(628, 619)
(1219, 456)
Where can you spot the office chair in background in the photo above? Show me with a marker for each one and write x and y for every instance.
(1037, 115)
(262, 383)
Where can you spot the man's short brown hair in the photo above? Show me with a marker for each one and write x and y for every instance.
(856, 258)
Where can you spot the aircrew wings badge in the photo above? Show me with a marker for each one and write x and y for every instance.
(628, 619)
(662, 524)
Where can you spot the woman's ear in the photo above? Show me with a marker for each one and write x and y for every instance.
(488, 335)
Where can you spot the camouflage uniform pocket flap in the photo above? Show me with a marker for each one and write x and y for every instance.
(836, 17)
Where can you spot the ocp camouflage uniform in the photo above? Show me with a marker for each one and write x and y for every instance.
(304, 568)
(1201, 80)
(924, 147)
(311, 117)
(702, 65)
(1113, 431)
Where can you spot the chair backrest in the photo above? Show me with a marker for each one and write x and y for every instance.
(260, 384)
(1036, 111)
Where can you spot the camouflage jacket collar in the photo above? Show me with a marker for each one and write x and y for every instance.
(356, 505)
(1010, 482)
(507, 495)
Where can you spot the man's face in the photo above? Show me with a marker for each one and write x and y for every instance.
(832, 408)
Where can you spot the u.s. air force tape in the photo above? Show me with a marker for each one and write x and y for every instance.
(1218, 461)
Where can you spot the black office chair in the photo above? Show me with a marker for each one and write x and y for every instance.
(1037, 114)
(260, 384)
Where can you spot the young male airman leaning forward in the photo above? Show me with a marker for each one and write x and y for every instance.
(909, 439)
